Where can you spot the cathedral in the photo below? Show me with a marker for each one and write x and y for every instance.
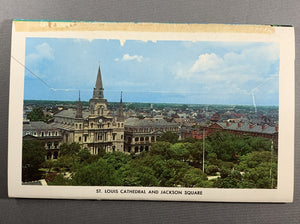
(94, 129)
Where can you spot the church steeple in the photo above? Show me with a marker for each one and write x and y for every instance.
(121, 115)
(79, 108)
(98, 104)
(98, 90)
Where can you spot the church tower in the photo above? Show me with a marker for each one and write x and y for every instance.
(78, 122)
(120, 113)
(98, 104)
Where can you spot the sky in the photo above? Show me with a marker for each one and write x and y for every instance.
(202, 72)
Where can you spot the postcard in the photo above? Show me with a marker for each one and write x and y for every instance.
(151, 111)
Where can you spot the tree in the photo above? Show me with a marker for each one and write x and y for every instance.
(33, 155)
(99, 173)
(37, 114)
(168, 137)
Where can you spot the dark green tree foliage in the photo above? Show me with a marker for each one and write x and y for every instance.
(168, 137)
(33, 155)
(100, 173)
(37, 114)
(241, 161)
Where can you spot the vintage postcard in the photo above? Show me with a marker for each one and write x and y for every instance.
(150, 111)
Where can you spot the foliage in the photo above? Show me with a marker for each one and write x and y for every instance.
(168, 136)
(33, 155)
(100, 173)
(37, 114)
(211, 169)
(243, 162)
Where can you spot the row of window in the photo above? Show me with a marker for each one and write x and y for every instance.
(51, 145)
(102, 126)
(100, 137)
(42, 133)
(147, 130)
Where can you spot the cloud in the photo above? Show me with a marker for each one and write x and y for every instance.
(206, 62)
(127, 57)
(234, 72)
(42, 51)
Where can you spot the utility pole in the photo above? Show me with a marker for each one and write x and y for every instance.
(271, 164)
(203, 152)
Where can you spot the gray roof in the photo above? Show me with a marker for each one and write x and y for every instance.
(246, 127)
(136, 122)
(36, 125)
(71, 113)
(57, 125)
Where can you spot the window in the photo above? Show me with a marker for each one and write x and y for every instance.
(55, 155)
(118, 125)
(114, 148)
(108, 125)
(56, 133)
(121, 136)
(79, 126)
(79, 139)
(136, 149)
(49, 133)
(42, 134)
(85, 138)
(55, 145)
(92, 125)
(49, 145)
(114, 136)
(122, 125)
(136, 139)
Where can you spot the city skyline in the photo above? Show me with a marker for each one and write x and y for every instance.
(236, 73)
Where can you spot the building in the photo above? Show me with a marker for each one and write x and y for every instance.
(94, 129)
(140, 134)
(38, 130)
(238, 128)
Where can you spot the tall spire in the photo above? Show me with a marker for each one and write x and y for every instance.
(98, 90)
(121, 115)
(79, 108)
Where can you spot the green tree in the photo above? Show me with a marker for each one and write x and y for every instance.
(33, 155)
(99, 173)
(194, 177)
(37, 114)
(168, 137)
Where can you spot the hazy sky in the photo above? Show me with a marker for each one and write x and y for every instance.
(163, 71)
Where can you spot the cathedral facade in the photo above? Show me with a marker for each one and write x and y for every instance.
(95, 129)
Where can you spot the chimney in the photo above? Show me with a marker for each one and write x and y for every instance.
(263, 127)
(276, 128)
(239, 124)
(227, 124)
(250, 126)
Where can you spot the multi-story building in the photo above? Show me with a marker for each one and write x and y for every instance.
(140, 134)
(39, 130)
(94, 129)
(236, 128)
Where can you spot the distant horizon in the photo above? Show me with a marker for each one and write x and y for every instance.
(125, 102)
(183, 72)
